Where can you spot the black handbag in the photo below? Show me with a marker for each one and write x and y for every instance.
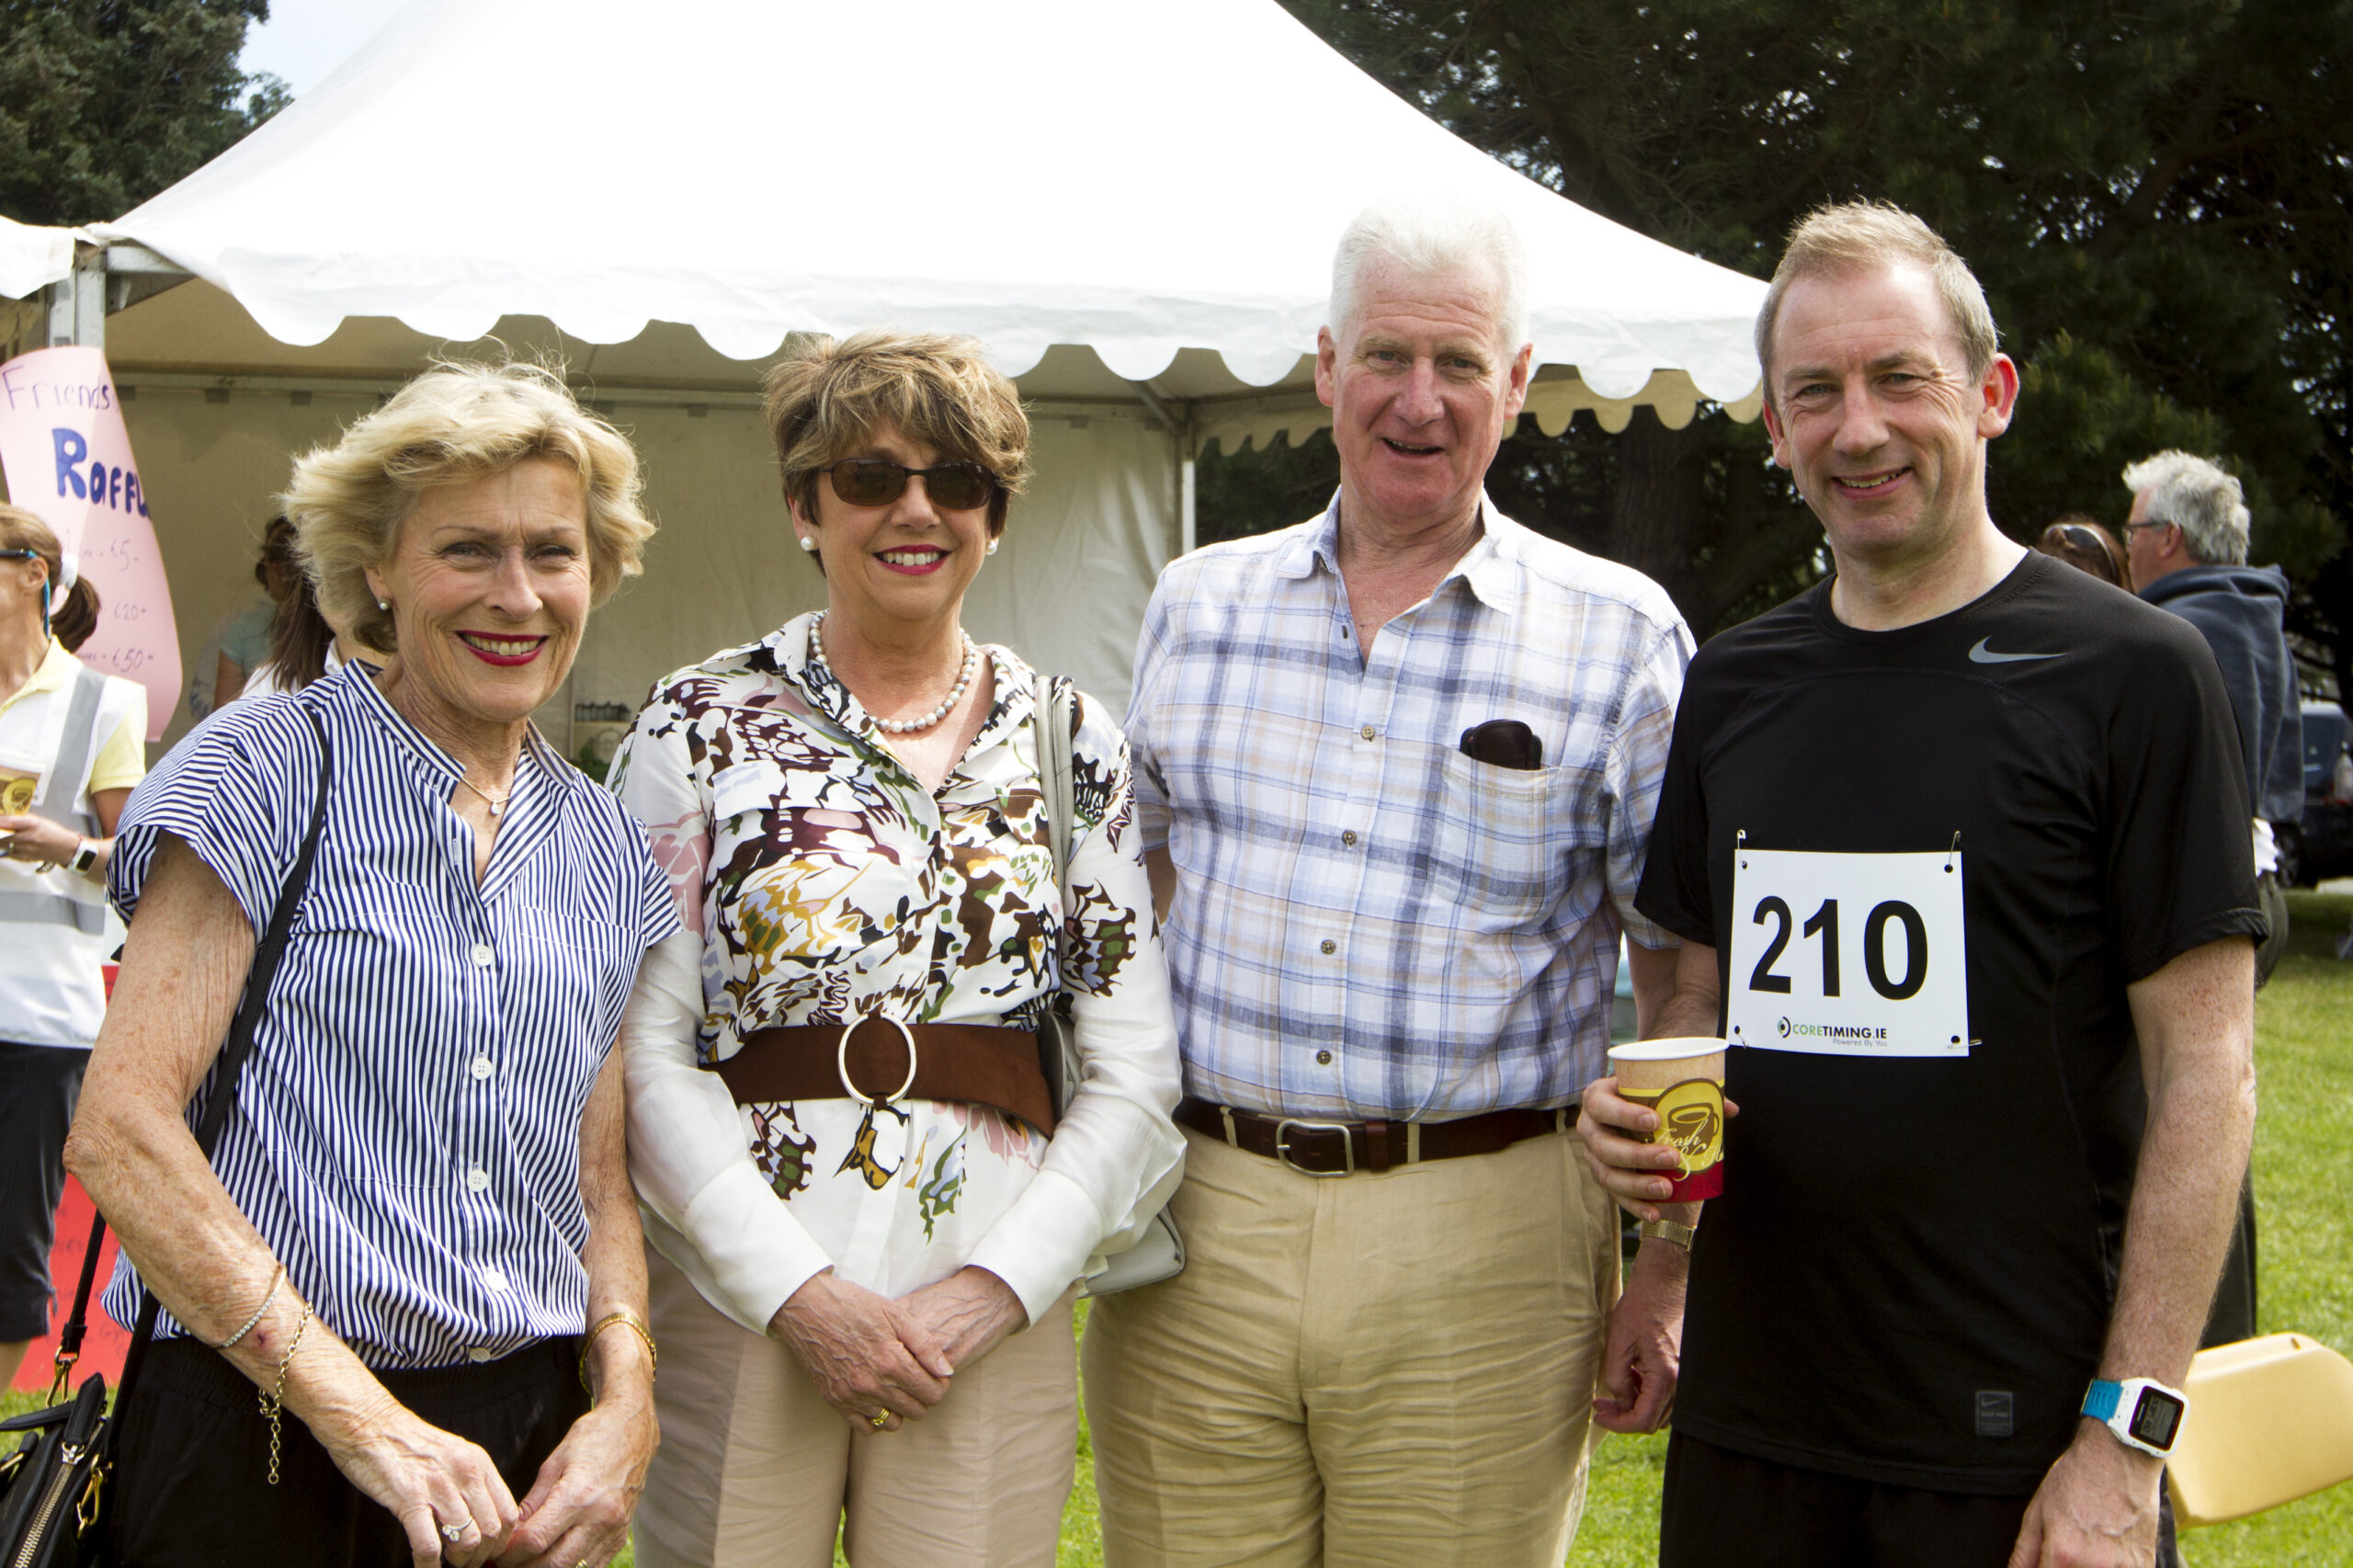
(52, 1485)
(52, 1488)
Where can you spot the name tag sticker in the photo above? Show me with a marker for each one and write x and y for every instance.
(1848, 955)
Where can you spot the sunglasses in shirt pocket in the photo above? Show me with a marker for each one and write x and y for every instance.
(1492, 848)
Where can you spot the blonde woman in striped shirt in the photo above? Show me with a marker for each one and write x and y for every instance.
(419, 1204)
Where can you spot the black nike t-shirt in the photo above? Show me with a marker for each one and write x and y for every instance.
(1909, 1275)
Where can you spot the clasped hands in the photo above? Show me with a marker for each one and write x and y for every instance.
(882, 1363)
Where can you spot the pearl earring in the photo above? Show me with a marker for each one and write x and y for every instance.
(809, 544)
(383, 605)
(993, 544)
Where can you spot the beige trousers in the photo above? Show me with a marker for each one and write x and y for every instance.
(756, 1470)
(1363, 1370)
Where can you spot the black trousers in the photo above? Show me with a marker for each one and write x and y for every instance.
(1722, 1509)
(39, 1085)
(192, 1486)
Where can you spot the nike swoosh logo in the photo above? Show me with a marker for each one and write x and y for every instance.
(1982, 655)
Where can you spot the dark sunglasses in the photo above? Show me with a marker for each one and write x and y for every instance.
(2083, 538)
(872, 481)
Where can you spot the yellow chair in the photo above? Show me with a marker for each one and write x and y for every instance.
(2270, 1420)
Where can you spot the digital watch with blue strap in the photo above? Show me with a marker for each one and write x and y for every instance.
(2141, 1412)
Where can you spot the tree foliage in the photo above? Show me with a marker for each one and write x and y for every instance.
(2157, 195)
(103, 103)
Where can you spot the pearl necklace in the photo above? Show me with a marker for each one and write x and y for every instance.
(964, 674)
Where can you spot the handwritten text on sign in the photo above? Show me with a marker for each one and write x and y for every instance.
(68, 461)
(1848, 955)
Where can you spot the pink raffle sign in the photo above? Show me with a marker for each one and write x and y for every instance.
(68, 460)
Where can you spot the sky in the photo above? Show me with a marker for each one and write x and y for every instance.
(305, 40)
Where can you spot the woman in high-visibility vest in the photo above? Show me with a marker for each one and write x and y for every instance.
(71, 748)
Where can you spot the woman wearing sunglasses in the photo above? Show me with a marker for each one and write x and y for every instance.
(69, 751)
(2087, 547)
(866, 1221)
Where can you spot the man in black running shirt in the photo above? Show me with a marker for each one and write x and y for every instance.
(1956, 842)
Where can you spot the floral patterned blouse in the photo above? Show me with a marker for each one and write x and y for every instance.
(820, 881)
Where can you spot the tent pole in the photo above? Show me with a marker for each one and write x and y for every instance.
(1178, 422)
(1188, 531)
(77, 303)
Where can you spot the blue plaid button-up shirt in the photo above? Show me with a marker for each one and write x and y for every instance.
(1367, 923)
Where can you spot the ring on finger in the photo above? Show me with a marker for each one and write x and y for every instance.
(881, 1419)
(453, 1533)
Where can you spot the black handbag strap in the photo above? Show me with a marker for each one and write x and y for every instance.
(69, 1338)
(233, 1051)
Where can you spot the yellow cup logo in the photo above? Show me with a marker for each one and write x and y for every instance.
(16, 793)
(1691, 1117)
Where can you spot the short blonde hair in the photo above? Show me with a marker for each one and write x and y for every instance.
(455, 423)
(937, 388)
(1856, 236)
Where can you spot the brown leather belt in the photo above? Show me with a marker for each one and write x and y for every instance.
(1341, 1148)
(975, 1063)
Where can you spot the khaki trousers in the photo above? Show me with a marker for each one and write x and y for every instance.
(1362, 1369)
(754, 1468)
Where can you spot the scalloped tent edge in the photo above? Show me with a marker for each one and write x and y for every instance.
(1142, 323)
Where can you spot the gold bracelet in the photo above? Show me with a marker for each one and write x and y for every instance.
(274, 1403)
(652, 1359)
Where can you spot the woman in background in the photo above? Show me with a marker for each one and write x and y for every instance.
(70, 750)
(241, 642)
(304, 646)
(2087, 547)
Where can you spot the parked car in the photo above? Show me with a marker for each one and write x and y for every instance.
(2321, 845)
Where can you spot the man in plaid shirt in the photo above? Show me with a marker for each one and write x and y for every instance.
(1395, 769)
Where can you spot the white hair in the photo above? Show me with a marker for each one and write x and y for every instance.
(2197, 496)
(1426, 239)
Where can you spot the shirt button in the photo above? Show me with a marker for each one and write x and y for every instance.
(483, 1067)
(1369, 732)
(479, 1353)
(1330, 945)
(1322, 1059)
(494, 1279)
(477, 1179)
(1349, 836)
(484, 955)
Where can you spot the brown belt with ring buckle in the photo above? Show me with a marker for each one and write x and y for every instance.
(1343, 1148)
(882, 1060)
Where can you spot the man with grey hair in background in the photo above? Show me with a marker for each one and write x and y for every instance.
(1394, 771)
(2186, 540)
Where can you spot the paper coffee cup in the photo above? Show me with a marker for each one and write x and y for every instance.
(1683, 1080)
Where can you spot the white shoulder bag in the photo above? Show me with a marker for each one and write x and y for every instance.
(1146, 1249)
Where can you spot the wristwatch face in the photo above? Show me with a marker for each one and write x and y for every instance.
(2156, 1418)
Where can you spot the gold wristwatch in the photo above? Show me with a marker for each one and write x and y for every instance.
(1666, 1231)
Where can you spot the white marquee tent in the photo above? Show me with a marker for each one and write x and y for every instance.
(1133, 206)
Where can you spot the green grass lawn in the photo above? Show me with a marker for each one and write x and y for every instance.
(2303, 1186)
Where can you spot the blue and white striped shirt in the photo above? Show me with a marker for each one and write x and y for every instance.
(1368, 923)
(406, 1136)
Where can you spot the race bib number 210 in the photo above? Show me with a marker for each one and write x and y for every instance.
(1848, 955)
